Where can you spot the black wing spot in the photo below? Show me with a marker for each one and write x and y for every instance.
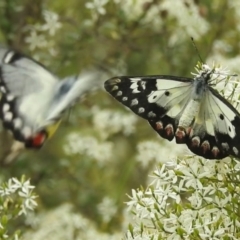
(167, 93)
(229, 128)
(221, 116)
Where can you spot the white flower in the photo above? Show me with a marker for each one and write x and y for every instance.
(109, 122)
(97, 5)
(136, 198)
(150, 151)
(52, 22)
(36, 40)
(178, 190)
(29, 202)
(192, 174)
(107, 208)
(79, 144)
(163, 177)
(212, 233)
(23, 185)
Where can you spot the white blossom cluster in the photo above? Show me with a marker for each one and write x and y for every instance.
(16, 198)
(107, 209)
(187, 16)
(23, 189)
(97, 6)
(185, 13)
(195, 199)
(90, 146)
(153, 151)
(65, 223)
(108, 122)
(40, 35)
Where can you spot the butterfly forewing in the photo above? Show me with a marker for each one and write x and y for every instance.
(159, 99)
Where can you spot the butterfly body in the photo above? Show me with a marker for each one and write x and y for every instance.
(187, 109)
(33, 99)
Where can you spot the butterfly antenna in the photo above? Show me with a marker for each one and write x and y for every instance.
(196, 49)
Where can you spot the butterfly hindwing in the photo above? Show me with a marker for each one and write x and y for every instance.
(215, 132)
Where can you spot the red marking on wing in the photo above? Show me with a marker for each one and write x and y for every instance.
(37, 140)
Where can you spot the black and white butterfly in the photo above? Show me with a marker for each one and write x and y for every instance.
(33, 99)
(187, 109)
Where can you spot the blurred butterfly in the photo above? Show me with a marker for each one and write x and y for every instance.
(187, 109)
(33, 99)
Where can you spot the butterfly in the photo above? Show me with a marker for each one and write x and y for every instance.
(33, 99)
(187, 109)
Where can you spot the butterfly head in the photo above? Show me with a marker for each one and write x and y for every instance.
(213, 75)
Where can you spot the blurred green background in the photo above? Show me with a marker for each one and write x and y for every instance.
(101, 151)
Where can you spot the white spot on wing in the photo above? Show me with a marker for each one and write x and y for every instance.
(134, 102)
(119, 93)
(135, 90)
(235, 150)
(17, 122)
(151, 114)
(8, 57)
(141, 110)
(10, 97)
(26, 132)
(135, 79)
(134, 85)
(115, 88)
(225, 146)
(3, 89)
(143, 84)
(6, 107)
(8, 116)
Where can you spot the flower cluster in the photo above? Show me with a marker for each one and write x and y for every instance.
(17, 198)
(40, 34)
(65, 223)
(107, 209)
(90, 146)
(97, 6)
(157, 152)
(108, 122)
(185, 13)
(21, 188)
(195, 199)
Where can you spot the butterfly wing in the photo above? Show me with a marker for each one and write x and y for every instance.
(158, 99)
(215, 133)
(163, 100)
(26, 88)
(71, 89)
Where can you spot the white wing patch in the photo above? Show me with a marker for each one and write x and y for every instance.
(221, 115)
(173, 96)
